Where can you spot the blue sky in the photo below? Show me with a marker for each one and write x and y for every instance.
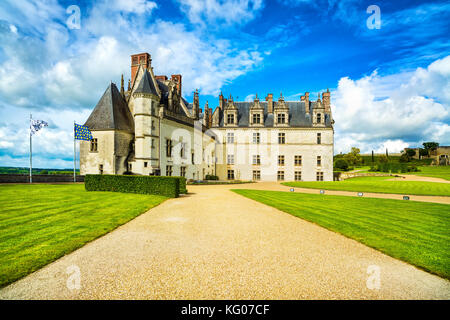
(390, 86)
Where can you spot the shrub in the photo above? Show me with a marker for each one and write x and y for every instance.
(165, 186)
(43, 172)
(211, 177)
(404, 157)
(341, 164)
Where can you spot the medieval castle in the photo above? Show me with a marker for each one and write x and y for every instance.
(150, 129)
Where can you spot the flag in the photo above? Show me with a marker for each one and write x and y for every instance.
(82, 133)
(37, 125)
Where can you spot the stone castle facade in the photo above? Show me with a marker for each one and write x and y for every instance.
(150, 129)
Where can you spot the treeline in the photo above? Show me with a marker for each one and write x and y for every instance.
(23, 170)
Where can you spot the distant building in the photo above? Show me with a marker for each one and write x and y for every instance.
(440, 156)
(152, 129)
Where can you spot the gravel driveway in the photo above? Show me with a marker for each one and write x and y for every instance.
(215, 244)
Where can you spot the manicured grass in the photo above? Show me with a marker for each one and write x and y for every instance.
(416, 232)
(378, 184)
(41, 223)
(442, 172)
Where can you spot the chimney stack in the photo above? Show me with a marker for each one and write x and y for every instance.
(221, 101)
(306, 99)
(177, 79)
(326, 101)
(143, 59)
(269, 100)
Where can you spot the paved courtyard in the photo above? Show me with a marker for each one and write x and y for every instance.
(215, 244)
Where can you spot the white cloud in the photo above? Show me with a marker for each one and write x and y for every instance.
(395, 111)
(226, 11)
(135, 6)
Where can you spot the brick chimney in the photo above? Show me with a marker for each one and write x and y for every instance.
(269, 100)
(326, 101)
(143, 59)
(177, 79)
(306, 99)
(221, 101)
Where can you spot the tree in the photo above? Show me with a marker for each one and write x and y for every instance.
(404, 157)
(422, 152)
(383, 158)
(341, 164)
(410, 152)
(430, 146)
(353, 157)
(44, 172)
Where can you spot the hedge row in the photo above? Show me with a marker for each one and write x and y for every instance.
(165, 186)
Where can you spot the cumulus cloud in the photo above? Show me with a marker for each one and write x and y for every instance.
(395, 111)
(226, 12)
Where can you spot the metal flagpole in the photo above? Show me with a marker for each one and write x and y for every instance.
(31, 152)
(74, 154)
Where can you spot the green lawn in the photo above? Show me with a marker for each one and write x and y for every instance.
(416, 232)
(442, 172)
(378, 184)
(41, 223)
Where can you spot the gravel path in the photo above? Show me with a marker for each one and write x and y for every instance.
(215, 244)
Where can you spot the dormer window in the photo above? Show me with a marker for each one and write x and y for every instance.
(281, 119)
(256, 118)
(319, 118)
(230, 119)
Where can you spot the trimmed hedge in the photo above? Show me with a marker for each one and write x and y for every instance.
(165, 186)
(183, 189)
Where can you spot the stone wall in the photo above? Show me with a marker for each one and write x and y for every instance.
(46, 178)
(348, 175)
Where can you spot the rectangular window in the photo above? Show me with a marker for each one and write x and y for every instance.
(169, 171)
(256, 137)
(94, 144)
(153, 124)
(297, 160)
(145, 164)
(183, 171)
(193, 158)
(256, 118)
(281, 160)
(281, 138)
(319, 176)
(319, 161)
(230, 159)
(256, 159)
(281, 118)
(256, 175)
(298, 175)
(319, 118)
(230, 137)
(230, 175)
(100, 169)
(153, 144)
(319, 138)
(168, 148)
(280, 175)
(230, 118)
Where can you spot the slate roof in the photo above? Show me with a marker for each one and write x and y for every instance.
(111, 112)
(146, 84)
(297, 114)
